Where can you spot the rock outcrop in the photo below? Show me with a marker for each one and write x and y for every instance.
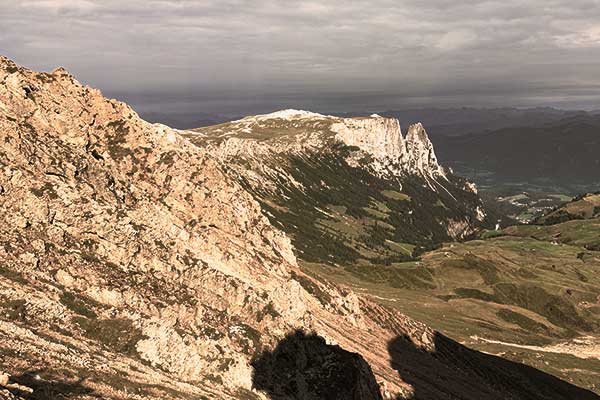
(421, 157)
(382, 138)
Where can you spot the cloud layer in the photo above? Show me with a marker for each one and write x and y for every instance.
(507, 50)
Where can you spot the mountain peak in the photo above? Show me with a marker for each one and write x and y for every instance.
(416, 130)
(378, 136)
(8, 65)
(60, 71)
(422, 156)
(382, 138)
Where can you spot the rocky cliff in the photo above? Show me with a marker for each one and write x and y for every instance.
(381, 137)
(134, 266)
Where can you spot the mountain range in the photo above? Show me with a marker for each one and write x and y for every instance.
(517, 149)
(141, 261)
(460, 121)
(562, 152)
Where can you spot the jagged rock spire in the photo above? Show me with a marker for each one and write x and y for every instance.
(382, 138)
(421, 155)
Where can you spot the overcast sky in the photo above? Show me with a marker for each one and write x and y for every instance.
(226, 54)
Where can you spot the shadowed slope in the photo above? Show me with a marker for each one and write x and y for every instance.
(304, 366)
(454, 371)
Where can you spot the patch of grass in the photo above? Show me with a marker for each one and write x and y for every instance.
(253, 344)
(244, 394)
(401, 275)
(485, 268)
(392, 194)
(471, 293)
(557, 310)
(14, 310)
(91, 257)
(48, 189)
(267, 310)
(489, 234)
(531, 297)
(12, 275)
(77, 305)
(167, 158)
(118, 334)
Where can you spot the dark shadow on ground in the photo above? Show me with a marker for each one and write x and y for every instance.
(454, 371)
(48, 389)
(303, 366)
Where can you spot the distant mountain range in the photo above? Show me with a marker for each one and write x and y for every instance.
(439, 121)
(461, 121)
(185, 120)
(565, 152)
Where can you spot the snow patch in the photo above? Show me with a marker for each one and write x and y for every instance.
(290, 114)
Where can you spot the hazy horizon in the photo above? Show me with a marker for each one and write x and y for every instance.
(237, 58)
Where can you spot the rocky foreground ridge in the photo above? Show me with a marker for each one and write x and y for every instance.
(132, 266)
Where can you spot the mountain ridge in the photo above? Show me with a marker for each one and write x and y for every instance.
(321, 172)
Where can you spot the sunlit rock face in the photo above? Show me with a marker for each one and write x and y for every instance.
(421, 156)
(382, 138)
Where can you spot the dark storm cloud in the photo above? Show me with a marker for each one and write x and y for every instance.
(507, 50)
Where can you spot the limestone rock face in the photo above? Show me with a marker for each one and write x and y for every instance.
(378, 136)
(422, 157)
(382, 138)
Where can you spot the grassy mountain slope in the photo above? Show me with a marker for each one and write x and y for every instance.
(581, 207)
(529, 292)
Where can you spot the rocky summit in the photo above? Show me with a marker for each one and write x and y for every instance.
(136, 263)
